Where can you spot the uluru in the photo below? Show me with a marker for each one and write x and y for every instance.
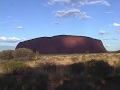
(63, 44)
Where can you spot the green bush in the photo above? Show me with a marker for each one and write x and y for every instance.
(98, 68)
(23, 54)
(6, 54)
(11, 66)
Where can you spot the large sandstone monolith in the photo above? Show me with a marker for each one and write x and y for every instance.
(63, 44)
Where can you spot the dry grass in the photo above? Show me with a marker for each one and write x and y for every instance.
(68, 59)
(58, 70)
(111, 58)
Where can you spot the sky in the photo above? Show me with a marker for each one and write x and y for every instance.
(22, 20)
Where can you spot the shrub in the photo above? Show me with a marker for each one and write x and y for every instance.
(12, 66)
(98, 68)
(117, 70)
(118, 63)
(6, 54)
(77, 68)
(40, 81)
(31, 81)
(23, 54)
(7, 82)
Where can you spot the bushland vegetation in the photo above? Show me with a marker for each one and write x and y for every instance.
(24, 70)
(19, 54)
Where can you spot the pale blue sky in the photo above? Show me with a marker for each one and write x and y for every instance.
(27, 19)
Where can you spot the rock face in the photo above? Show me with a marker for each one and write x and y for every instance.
(63, 44)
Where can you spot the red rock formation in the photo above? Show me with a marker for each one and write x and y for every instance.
(63, 44)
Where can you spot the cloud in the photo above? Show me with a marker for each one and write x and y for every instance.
(9, 16)
(57, 23)
(6, 47)
(110, 39)
(54, 2)
(110, 12)
(101, 32)
(79, 2)
(106, 39)
(17, 27)
(67, 13)
(116, 24)
(108, 46)
(9, 21)
(2, 22)
(72, 13)
(44, 4)
(114, 39)
(84, 16)
(20, 27)
(11, 39)
(104, 2)
(118, 31)
(75, 12)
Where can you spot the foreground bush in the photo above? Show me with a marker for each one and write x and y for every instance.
(23, 54)
(118, 63)
(77, 68)
(6, 54)
(98, 68)
(29, 81)
(18, 76)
